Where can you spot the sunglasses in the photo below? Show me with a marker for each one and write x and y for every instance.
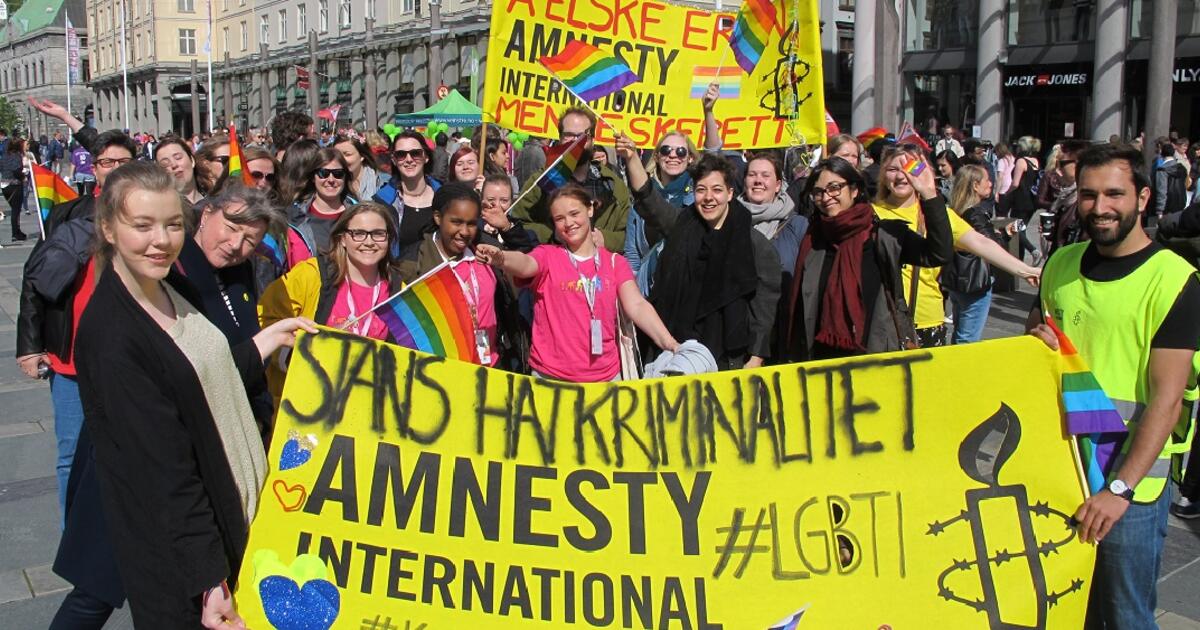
(223, 159)
(336, 173)
(111, 162)
(256, 176)
(680, 152)
(400, 154)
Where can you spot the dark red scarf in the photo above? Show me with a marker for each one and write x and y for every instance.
(843, 314)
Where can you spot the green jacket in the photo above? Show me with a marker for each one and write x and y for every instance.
(609, 219)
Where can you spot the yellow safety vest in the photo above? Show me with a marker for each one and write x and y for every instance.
(1112, 325)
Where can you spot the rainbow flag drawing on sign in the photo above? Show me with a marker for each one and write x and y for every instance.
(431, 315)
(50, 190)
(588, 71)
(1091, 414)
(729, 79)
(562, 158)
(755, 21)
(237, 161)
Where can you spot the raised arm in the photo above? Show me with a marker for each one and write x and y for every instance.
(515, 264)
(937, 246)
(635, 171)
(997, 256)
(54, 110)
(712, 131)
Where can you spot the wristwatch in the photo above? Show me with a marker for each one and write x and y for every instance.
(1121, 489)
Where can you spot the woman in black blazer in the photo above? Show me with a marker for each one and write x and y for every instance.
(177, 456)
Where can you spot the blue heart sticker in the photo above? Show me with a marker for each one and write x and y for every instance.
(293, 456)
(289, 607)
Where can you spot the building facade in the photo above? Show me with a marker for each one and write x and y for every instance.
(34, 60)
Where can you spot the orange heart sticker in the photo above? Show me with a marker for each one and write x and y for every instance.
(290, 498)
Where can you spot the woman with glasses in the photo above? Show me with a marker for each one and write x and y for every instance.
(668, 172)
(898, 198)
(846, 298)
(364, 179)
(175, 156)
(212, 160)
(321, 202)
(410, 191)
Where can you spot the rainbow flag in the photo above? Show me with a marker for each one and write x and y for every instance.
(589, 72)
(50, 190)
(274, 250)
(562, 158)
(868, 137)
(237, 162)
(729, 79)
(431, 315)
(1091, 414)
(752, 30)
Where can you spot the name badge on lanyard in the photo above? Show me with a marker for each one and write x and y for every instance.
(362, 327)
(590, 287)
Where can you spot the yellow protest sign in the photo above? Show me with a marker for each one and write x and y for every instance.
(408, 491)
(675, 51)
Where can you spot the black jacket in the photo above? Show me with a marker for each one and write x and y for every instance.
(170, 503)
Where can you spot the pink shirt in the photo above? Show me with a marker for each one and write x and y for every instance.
(484, 297)
(562, 343)
(370, 326)
(297, 251)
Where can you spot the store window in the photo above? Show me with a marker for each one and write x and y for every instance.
(1042, 22)
(1141, 18)
(941, 24)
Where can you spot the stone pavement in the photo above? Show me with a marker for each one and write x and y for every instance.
(29, 520)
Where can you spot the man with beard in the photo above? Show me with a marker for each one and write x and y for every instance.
(1129, 307)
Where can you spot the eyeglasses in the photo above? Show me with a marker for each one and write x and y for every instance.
(336, 173)
(570, 136)
(680, 152)
(400, 154)
(256, 176)
(223, 159)
(111, 162)
(358, 236)
(833, 190)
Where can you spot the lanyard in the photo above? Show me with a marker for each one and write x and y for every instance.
(589, 284)
(470, 291)
(362, 326)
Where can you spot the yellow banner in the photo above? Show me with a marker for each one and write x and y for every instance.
(667, 46)
(407, 491)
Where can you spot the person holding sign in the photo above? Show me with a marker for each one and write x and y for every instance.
(578, 287)
(897, 198)
(845, 297)
(500, 333)
(178, 462)
(718, 278)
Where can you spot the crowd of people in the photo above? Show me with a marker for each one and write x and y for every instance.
(158, 301)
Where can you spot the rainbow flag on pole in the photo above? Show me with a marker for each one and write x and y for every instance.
(431, 315)
(50, 190)
(237, 161)
(755, 21)
(563, 158)
(588, 71)
(1091, 414)
(728, 79)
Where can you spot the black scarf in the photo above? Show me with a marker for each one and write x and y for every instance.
(705, 281)
(237, 316)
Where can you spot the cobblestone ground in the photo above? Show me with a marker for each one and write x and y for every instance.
(29, 520)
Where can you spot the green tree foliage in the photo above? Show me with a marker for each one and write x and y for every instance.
(9, 118)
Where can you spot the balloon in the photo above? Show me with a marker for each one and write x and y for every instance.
(391, 130)
(517, 139)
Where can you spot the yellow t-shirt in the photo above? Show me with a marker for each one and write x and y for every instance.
(929, 311)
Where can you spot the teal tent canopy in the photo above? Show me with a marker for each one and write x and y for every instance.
(452, 110)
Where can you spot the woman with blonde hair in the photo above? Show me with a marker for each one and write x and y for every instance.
(897, 199)
(1020, 201)
(668, 171)
(968, 279)
(847, 147)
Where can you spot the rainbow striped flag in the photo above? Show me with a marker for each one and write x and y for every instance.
(50, 190)
(1091, 414)
(562, 158)
(274, 250)
(589, 72)
(431, 315)
(237, 161)
(729, 79)
(755, 21)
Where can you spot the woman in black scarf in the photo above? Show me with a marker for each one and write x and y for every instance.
(718, 278)
(844, 298)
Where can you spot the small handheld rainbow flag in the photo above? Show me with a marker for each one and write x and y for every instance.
(755, 21)
(589, 72)
(563, 159)
(431, 315)
(1091, 414)
(728, 79)
(274, 250)
(50, 190)
(237, 162)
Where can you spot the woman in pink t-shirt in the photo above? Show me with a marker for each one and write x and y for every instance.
(577, 288)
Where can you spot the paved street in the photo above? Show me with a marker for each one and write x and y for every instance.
(29, 519)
